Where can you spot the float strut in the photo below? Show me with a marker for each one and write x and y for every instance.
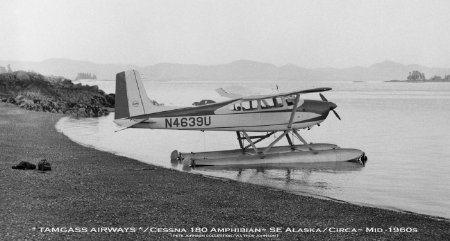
(261, 138)
(275, 141)
(303, 140)
(240, 140)
(251, 142)
(290, 141)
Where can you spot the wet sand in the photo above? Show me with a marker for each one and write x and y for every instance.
(92, 189)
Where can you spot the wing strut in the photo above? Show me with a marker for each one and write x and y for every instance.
(294, 110)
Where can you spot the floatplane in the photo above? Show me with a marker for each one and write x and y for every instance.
(283, 113)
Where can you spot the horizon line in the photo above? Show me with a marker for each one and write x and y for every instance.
(239, 60)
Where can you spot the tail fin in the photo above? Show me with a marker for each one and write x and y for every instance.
(131, 98)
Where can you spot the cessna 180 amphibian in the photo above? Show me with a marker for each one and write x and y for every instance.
(281, 112)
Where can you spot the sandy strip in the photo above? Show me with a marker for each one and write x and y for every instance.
(92, 189)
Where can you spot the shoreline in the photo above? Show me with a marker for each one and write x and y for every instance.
(417, 81)
(92, 188)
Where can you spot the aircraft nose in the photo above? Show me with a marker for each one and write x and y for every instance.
(332, 105)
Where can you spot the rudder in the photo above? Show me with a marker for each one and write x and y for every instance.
(131, 98)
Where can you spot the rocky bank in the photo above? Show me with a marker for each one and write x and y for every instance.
(33, 91)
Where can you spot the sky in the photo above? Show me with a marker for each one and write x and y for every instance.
(313, 34)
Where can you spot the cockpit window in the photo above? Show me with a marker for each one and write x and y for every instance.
(235, 107)
(290, 100)
(271, 103)
(278, 101)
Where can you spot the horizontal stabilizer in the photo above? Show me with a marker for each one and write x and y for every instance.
(127, 123)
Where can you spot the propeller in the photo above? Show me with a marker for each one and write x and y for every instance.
(336, 114)
(323, 97)
(332, 108)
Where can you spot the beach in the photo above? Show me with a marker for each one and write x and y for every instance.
(90, 189)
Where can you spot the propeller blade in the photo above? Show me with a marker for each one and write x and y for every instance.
(332, 109)
(336, 114)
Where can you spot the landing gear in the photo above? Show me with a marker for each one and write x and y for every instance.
(249, 139)
(285, 133)
(242, 136)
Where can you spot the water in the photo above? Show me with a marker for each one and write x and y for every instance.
(403, 128)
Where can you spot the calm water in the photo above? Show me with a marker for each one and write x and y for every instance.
(403, 128)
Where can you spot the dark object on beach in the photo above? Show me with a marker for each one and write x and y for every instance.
(43, 165)
(24, 166)
(203, 102)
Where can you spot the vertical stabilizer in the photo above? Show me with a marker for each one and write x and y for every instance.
(131, 98)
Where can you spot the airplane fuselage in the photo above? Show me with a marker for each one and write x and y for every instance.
(233, 115)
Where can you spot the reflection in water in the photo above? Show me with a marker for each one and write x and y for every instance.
(290, 176)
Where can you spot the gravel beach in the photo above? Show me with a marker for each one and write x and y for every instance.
(90, 190)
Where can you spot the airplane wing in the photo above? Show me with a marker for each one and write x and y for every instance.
(227, 94)
(238, 91)
(315, 90)
(258, 97)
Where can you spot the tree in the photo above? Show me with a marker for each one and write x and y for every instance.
(416, 75)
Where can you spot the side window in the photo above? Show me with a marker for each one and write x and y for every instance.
(267, 103)
(245, 105)
(250, 105)
(254, 105)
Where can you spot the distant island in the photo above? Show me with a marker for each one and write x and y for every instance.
(32, 91)
(85, 76)
(419, 77)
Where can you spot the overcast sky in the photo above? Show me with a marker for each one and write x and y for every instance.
(306, 33)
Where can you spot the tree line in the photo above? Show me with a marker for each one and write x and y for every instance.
(85, 76)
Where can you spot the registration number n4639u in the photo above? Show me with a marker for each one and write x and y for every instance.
(188, 121)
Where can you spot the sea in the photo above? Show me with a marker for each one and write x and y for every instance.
(404, 129)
